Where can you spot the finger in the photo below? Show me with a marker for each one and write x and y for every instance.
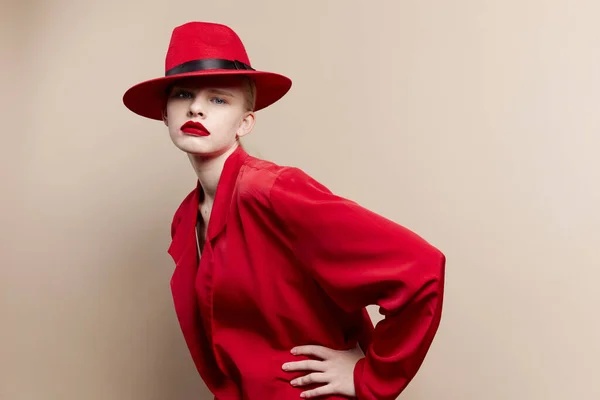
(304, 365)
(312, 350)
(320, 391)
(315, 377)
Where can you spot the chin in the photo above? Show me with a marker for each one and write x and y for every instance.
(192, 145)
(202, 151)
(195, 150)
(198, 147)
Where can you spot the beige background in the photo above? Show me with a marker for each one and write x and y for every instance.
(475, 123)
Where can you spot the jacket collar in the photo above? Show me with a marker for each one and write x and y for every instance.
(224, 193)
(223, 196)
(184, 240)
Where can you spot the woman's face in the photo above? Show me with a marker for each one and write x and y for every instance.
(218, 104)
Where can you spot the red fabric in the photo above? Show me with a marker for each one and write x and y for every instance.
(197, 40)
(288, 263)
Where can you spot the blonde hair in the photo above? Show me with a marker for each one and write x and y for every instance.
(250, 93)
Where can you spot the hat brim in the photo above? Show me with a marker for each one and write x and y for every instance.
(148, 98)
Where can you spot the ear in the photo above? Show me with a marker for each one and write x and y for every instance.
(246, 124)
(164, 117)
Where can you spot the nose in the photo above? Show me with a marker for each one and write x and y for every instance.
(196, 108)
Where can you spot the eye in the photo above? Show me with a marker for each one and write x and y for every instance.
(218, 100)
(182, 94)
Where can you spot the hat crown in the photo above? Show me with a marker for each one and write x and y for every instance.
(204, 40)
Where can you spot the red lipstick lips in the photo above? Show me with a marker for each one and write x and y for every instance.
(194, 128)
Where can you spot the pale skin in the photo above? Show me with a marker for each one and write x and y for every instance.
(334, 369)
(221, 105)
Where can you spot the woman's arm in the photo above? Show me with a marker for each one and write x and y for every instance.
(360, 258)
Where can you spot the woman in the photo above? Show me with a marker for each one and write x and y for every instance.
(273, 271)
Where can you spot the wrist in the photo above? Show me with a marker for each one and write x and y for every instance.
(358, 373)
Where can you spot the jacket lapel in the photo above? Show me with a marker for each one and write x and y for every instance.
(224, 193)
(181, 248)
(184, 253)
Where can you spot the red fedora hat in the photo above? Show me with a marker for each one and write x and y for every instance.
(203, 49)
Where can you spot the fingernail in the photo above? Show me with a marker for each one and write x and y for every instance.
(285, 366)
(294, 382)
(294, 351)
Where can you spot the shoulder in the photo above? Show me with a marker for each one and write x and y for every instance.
(257, 176)
(179, 212)
(263, 180)
(189, 198)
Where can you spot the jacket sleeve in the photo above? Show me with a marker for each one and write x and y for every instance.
(360, 258)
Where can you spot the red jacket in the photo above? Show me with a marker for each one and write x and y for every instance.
(288, 263)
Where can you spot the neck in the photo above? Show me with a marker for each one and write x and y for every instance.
(208, 170)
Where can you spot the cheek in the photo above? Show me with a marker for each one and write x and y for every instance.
(175, 109)
(224, 122)
(234, 127)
